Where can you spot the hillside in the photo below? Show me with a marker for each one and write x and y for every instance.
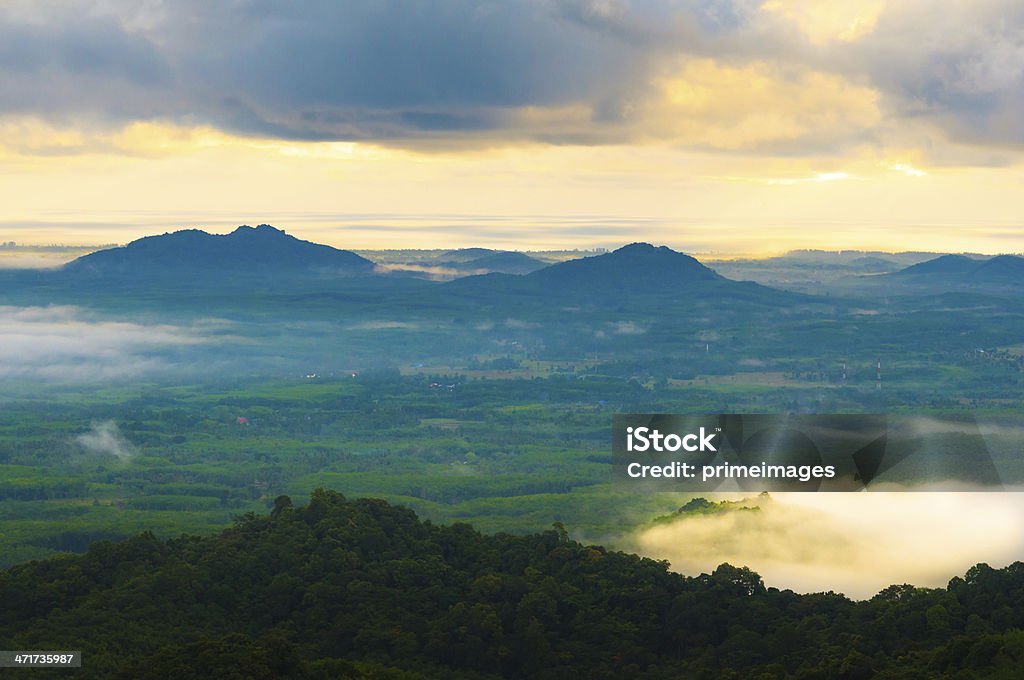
(633, 273)
(1004, 269)
(944, 265)
(355, 589)
(960, 270)
(505, 262)
(466, 254)
(637, 267)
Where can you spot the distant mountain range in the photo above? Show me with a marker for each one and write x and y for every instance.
(639, 267)
(269, 258)
(478, 260)
(266, 250)
(467, 254)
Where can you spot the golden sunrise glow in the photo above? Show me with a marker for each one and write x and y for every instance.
(794, 146)
(824, 21)
(854, 543)
(716, 105)
(149, 179)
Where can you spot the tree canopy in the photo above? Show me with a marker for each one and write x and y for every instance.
(362, 589)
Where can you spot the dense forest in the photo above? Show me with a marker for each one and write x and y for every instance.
(363, 589)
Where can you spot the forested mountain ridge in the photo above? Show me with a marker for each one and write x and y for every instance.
(638, 265)
(349, 589)
(635, 273)
(944, 265)
(1000, 270)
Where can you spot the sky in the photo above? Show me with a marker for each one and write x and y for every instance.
(737, 127)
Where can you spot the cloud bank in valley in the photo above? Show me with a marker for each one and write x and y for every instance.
(852, 543)
(70, 344)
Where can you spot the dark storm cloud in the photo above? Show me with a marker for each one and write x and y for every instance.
(316, 69)
(412, 71)
(399, 56)
(91, 65)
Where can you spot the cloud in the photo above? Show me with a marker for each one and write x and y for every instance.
(106, 438)
(519, 324)
(313, 70)
(62, 63)
(627, 328)
(68, 344)
(704, 103)
(851, 543)
(382, 325)
(35, 259)
(825, 21)
(434, 273)
(784, 76)
(959, 69)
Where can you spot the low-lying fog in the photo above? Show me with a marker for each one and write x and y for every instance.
(855, 543)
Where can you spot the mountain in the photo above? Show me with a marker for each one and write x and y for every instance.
(466, 254)
(638, 267)
(944, 265)
(963, 271)
(504, 262)
(256, 251)
(631, 273)
(364, 589)
(874, 265)
(1006, 269)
